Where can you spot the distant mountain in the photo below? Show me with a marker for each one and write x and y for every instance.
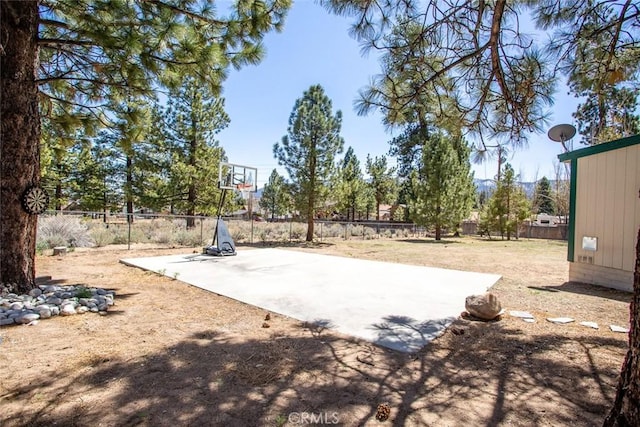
(489, 186)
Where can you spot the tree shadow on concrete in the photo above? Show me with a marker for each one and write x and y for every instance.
(403, 332)
(490, 375)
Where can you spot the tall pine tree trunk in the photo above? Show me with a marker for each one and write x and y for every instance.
(191, 203)
(191, 190)
(626, 407)
(58, 196)
(312, 198)
(438, 224)
(19, 140)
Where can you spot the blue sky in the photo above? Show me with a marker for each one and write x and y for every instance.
(315, 48)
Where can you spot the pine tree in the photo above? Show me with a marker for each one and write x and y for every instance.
(443, 186)
(308, 151)
(100, 175)
(130, 138)
(275, 196)
(382, 181)
(543, 200)
(193, 117)
(507, 208)
(58, 159)
(350, 188)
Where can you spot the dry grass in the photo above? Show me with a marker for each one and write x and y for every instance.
(171, 354)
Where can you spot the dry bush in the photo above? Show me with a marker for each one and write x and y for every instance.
(121, 235)
(332, 230)
(62, 230)
(370, 233)
(101, 236)
(356, 230)
(240, 231)
(187, 238)
(298, 231)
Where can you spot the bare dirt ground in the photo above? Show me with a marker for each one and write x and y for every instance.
(169, 354)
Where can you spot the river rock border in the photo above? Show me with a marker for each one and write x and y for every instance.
(46, 301)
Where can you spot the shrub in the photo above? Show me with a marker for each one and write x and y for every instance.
(119, 238)
(356, 230)
(333, 230)
(369, 233)
(238, 235)
(298, 231)
(161, 236)
(83, 292)
(187, 238)
(41, 246)
(101, 236)
(60, 230)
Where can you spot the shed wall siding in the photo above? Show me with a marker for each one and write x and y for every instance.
(608, 207)
(603, 276)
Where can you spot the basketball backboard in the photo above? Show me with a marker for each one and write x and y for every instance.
(237, 177)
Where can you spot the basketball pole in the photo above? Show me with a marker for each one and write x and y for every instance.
(220, 205)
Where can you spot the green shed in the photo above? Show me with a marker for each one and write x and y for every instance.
(604, 212)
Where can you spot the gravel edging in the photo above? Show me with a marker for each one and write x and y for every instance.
(46, 301)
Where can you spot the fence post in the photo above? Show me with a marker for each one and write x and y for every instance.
(251, 219)
(201, 232)
(290, 228)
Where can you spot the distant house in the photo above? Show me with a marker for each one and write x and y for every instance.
(546, 220)
(604, 212)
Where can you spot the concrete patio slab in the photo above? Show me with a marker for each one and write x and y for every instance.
(398, 306)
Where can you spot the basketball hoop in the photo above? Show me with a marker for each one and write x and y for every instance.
(237, 177)
(245, 190)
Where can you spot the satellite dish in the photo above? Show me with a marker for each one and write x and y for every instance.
(562, 133)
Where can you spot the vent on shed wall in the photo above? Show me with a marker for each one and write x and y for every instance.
(586, 259)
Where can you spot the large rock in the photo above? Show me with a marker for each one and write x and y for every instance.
(485, 307)
(67, 309)
(27, 318)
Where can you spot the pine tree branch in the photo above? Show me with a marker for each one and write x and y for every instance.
(185, 12)
(616, 37)
(54, 23)
(497, 71)
(89, 108)
(80, 79)
(172, 61)
(49, 42)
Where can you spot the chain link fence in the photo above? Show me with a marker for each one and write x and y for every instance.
(97, 229)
